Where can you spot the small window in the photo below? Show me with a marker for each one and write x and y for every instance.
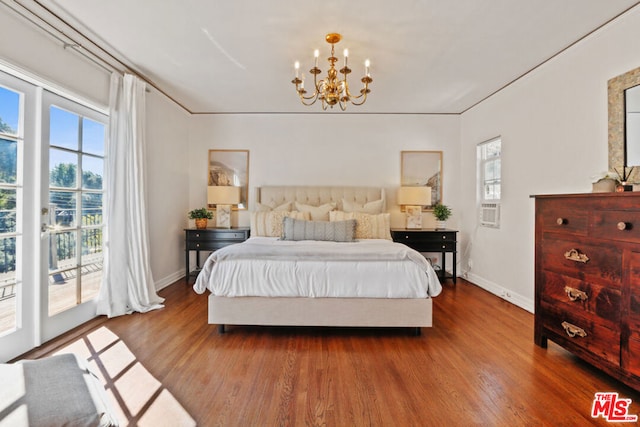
(490, 181)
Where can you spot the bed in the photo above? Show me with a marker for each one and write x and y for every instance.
(319, 256)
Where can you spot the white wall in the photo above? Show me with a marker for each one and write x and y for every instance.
(167, 180)
(325, 149)
(553, 124)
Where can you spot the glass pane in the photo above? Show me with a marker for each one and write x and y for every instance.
(62, 256)
(92, 171)
(92, 137)
(8, 161)
(63, 293)
(489, 171)
(63, 272)
(62, 205)
(7, 284)
(91, 263)
(7, 211)
(91, 209)
(493, 149)
(62, 168)
(63, 128)
(9, 111)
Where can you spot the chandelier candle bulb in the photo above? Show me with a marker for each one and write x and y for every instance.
(316, 53)
(297, 67)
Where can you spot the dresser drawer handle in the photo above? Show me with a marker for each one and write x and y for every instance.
(623, 226)
(573, 330)
(575, 255)
(561, 221)
(575, 294)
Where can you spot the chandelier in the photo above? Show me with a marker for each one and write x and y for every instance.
(331, 90)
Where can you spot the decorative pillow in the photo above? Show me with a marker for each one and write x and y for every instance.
(263, 207)
(269, 224)
(337, 231)
(318, 213)
(367, 226)
(374, 207)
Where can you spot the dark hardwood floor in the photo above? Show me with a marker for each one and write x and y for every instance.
(477, 365)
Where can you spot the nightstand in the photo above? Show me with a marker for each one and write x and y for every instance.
(430, 240)
(210, 239)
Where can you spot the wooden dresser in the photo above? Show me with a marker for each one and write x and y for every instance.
(587, 275)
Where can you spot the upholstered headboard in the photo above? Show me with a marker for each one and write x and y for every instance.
(316, 196)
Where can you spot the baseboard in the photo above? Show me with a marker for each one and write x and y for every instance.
(168, 280)
(505, 294)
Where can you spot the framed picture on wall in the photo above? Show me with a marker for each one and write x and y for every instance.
(230, 168)
(422, 168)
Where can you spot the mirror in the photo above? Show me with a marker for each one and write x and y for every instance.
(624, 147)
(632, 121)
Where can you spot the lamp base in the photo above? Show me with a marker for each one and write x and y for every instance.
(414, 217)
(223, 216)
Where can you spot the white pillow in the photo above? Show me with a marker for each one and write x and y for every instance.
(318, 213)
(367, 226)
(374, 207)
(269, 224)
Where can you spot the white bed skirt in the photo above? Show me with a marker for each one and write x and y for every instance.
(345, 312)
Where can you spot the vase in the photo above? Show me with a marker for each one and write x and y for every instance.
(201, 223)
(441, 225)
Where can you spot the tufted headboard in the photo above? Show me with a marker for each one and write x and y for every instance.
(316, 196)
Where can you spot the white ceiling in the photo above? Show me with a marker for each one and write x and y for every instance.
(427, 56)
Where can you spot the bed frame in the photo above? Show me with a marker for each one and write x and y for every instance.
(344, 312)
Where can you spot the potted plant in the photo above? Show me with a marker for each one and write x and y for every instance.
(442, 213)
(201, 215)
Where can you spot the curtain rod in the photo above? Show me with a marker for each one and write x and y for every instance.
(66, 44)
(69, 42)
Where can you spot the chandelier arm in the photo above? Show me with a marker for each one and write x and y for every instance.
(302, 99)
(314, 95)
(358, 97)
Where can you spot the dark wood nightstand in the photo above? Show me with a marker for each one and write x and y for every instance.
(210, 239)
(430, 240)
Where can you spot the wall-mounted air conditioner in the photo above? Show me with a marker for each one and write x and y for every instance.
(490, 215)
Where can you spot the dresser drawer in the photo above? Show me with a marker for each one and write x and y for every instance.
(616, 225)
(576, 295)
(583, 331)
(209, 245)
(432, 236)
(432, 246)
(600, 264)
(562, 217)
(210, 234)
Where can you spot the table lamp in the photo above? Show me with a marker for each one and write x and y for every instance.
(223, 197)
(414, 198)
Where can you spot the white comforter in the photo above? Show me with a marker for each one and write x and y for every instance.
(269, 267)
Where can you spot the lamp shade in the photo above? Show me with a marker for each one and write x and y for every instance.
(223, 195)
(414, 196)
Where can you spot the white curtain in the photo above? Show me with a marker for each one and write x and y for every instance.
(127, 284)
